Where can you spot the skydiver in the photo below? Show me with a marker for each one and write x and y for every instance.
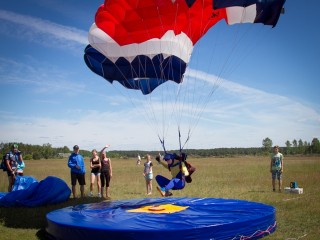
(178, 171)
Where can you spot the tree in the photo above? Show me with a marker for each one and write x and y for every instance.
(47, 150)
(288, 144)
(300, 146)
(315, 145)
(288, 147)
(36, 156)
(295, 143)
(267, 143)
(66, 149)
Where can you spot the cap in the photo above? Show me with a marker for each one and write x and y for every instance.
(15, 146)
(75, 147)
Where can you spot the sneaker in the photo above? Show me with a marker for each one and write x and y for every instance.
(160, 190)
(90, 194)
(99, 195)
(168, 194)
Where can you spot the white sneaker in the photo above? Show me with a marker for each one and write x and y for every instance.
(90, 194)
(99, 195)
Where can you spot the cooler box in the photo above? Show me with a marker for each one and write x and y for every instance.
(293, 190)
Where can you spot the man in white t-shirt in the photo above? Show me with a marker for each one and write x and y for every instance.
(276, 167)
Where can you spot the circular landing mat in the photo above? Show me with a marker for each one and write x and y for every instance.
(163, 218)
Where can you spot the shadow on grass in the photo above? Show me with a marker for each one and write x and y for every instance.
(42, 234)
(35, 217)
(258, 191)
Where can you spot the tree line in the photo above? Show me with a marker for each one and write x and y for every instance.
(46, 151)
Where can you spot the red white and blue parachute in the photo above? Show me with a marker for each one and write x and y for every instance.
(152, 47)
(144, 43)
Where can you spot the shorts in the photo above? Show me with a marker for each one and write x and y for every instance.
(95, 174)
(149, 176)
(10, 174)
(78, 176)
(276, 174)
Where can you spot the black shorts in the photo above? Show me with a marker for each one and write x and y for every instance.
(78, 176)
(10, 174)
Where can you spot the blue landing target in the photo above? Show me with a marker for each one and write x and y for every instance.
(163, 218)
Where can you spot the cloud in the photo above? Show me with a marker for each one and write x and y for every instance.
(241, 121)
(43, 77)
(40, 30)
(93, 130)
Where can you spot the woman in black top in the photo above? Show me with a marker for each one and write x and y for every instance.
(95, 165)
(106, 172)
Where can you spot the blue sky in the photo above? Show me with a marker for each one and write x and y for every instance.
(269, 89)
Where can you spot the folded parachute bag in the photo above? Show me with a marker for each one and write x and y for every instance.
(27, 191)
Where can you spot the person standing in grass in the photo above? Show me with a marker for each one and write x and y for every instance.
(95, 165)
(106, 172)
(147, 173)
(138, 159)
(276, 168)
(14, 162)
(78, 171)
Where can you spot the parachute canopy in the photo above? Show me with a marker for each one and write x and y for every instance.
(143, 44)
(28, 192)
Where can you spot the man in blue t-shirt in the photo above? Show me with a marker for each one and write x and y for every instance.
(78, 170)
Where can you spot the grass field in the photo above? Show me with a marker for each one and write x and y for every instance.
(247, 178)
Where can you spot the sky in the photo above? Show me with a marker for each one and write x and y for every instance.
(49, 95)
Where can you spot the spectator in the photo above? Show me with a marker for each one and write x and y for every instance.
(276, 168)
(138, 159)
(15, 165)
(95, 165)
(77, 166)
(147, 173)
(106, 172)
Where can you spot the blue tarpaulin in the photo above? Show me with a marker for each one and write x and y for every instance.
(195, 219)
(28, 191)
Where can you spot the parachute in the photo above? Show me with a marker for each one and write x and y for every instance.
(145, 44)
(29, 192)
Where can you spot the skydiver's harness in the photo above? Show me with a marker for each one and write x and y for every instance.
(185, 167)
(181, 147)
(175, 163)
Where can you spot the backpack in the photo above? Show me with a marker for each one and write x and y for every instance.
(191, 169)
(3, 164)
